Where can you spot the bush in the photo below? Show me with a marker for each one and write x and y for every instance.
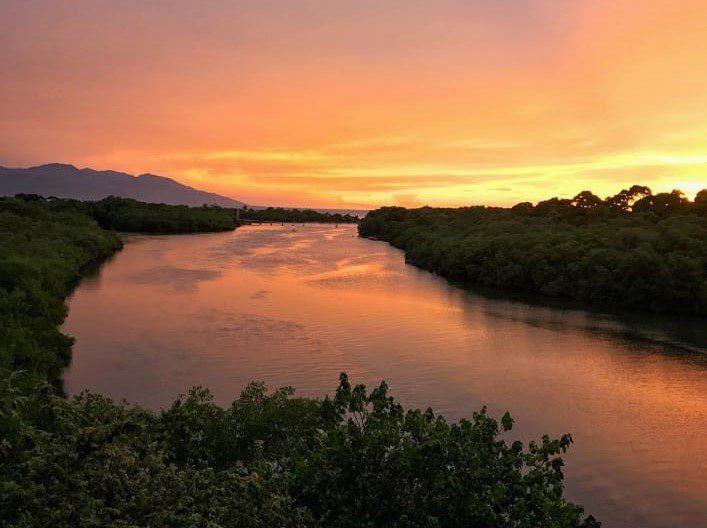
(652, 258)
(355, 460)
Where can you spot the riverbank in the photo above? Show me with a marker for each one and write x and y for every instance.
(47, 247)
(295, 216)
(269, 459)
(636, 260)
(45, 253)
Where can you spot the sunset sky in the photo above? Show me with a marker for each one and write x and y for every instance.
(338, 103)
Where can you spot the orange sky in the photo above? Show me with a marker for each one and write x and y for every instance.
(361, 103)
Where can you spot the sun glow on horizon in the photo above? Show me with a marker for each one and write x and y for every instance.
(362, 104)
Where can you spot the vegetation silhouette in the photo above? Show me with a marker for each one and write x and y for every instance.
(269, 459)
(126, 214)
(357, 459)
(635, 249)
(280, 214)
(43, 252)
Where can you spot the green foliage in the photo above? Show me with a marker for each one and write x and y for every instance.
(634, 249)
(280, 214)
(122, 214)
(355, 460)
(379, 465)
(88, 462)
(46, 246)
(125, 214)
(42, 255)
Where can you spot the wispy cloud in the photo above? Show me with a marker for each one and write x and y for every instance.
(363, 102)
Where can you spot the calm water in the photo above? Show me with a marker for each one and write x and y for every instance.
(297, 307)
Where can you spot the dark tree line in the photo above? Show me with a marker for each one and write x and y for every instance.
(46, 245)
(43, 253)
(280, 214)
(122, 214)
(269, 459)
(126, 214)
(635, 249)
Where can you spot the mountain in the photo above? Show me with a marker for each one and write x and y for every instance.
(66, 181)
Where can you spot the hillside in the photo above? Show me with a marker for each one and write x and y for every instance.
(67, 181)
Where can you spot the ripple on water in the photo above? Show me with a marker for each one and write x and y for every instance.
(297, 307)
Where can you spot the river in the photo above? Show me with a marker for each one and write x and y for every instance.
(296, 305)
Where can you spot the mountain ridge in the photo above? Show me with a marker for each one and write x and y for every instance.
(64, 180)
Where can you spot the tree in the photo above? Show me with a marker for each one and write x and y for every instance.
(586, 200)
(523, 207)
(379, 465)
(662, 203)
(553, 205)
(625, 199)
(564, 250)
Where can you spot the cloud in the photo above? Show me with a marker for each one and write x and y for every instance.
(287, 156)
(407, 200)
(363, 102)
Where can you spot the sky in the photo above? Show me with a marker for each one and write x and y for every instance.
(362, 103)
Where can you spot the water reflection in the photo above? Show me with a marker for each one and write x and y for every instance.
(297, 307)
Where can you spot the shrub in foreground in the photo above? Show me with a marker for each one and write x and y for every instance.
(357, 459)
